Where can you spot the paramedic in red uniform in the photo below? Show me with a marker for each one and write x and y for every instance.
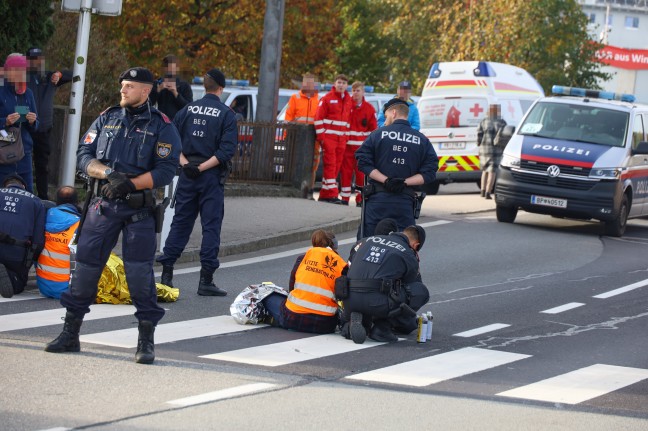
(363, 122)
(332, 127)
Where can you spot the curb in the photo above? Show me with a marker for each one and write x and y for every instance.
(261, 243)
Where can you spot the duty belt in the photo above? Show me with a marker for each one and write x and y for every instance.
(384, 286)
(372, 188)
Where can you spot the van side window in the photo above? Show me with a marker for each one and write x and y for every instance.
(241, 107)
(638, 133)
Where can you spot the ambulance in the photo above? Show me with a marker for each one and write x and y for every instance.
(579, 154)
(455, 99)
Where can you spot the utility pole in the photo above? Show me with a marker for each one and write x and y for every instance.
(85, 8)
(269, 71)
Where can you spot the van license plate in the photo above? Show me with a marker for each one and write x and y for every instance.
(452, 146)
(548, 202)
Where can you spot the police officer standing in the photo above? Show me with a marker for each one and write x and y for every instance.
(395, 158)
(131, 149)
(209, 137)
(384, 287)
(22, 234)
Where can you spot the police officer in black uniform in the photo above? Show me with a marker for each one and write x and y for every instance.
(384, 287)
(395, 158)
(209, 136)
(22, 234)
(131, 149)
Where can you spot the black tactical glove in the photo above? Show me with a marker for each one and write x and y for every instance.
(118, 186)
(395, 185)
(191, 170)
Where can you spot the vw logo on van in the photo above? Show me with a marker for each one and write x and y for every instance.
(553, 171)
(450, 135)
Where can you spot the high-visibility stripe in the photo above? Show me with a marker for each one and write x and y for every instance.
(55, 255)
(355, 143)
(463, 163)
(318, 122)
(335, 132)
(53, 269)
(354, 133)
(336, 122)
(312, 305)
(314, 289)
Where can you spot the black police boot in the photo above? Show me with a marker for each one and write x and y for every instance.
(167, 276)
(6, 286)
(381, 331)
(206, 286)
(357, 331)
(145, 345)
(68, 340)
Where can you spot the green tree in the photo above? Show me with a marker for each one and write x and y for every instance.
(25, 23)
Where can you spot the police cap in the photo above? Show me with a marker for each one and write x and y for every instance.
(393, 102)
(386, 226)
(217, 76)
(13, 179)
(137, 74)
(421, 235)
(405, 85)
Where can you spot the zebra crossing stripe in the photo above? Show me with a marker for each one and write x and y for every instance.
(36, 319)
(222, 394)
(170, 332)
(482, 330)
(21, 297)
(290, 352)
(561, 308)
(437, 368)
(579, 385)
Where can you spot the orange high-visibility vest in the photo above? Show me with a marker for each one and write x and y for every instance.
(302, 109)
(314, 290)
(54, 261)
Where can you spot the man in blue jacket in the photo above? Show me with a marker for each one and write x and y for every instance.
(405, 93)
(43, 84)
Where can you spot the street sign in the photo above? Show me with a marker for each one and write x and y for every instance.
(100, 7)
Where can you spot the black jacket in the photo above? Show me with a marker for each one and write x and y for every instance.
(44, 90)
(385, 257)
(167, 103)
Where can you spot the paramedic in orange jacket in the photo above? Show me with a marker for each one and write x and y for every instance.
(301, 109)
(311, 305)
(332, 127)
(363, 122)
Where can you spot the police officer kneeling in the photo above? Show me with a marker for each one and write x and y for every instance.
(22, 234)
(131, 149)
(384, 288)
(395, 158)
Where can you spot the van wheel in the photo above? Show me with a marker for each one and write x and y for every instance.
(431, 188)
(617, 226)
(506, 214)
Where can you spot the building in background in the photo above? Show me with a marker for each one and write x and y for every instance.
(622, 26)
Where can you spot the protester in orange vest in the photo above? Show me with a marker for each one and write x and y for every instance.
(363, 122)
(53, 267)
(301, 109)
(332, 128)
(311, 305)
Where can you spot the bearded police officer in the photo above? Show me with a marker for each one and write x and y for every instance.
(384, 288)
(131, 149)
(395, 158)
(209, 137)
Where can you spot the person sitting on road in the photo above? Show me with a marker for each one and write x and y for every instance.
(53, 266)
(310, 305)
(384, 287)
(22, 234)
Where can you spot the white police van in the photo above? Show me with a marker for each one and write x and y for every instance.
(242, 98)
(578, 154)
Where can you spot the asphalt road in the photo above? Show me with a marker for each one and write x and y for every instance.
(539, 324)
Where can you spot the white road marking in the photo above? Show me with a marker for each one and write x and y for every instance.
(36, 319)
(623, 289)
(434, 369)
(290, 352)
(21, 297)
(482, 330)
(281, 255)
(222, 394)
(57, 429)
(171, 332)
(579, 385)
(562, 308)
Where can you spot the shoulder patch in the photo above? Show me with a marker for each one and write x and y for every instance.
(163, 149)
(110, 108)
(164, 117)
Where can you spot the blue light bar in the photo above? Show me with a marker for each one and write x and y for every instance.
(435, 72)
(237, 83)
(593, 94)
(484, 69)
